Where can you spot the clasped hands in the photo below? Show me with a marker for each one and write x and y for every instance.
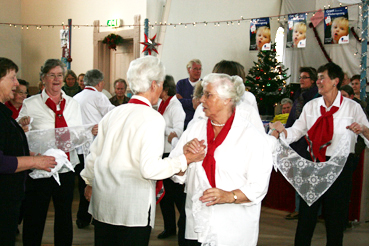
(277, 128)
(194, 150)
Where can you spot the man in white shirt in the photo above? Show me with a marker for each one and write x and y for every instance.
(94, 105)
(125, 161)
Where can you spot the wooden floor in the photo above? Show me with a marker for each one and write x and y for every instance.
(274, 231)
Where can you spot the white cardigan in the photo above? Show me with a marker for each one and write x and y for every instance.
(124, 164)
(243, 161)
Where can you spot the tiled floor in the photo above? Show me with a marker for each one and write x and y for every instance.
(274, 231)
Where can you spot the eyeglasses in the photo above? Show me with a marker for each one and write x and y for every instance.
(22, 93)
(53, 76)
(208, 94)
(303, 77)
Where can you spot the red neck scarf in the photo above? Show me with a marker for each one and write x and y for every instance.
(137, 101)
(320, 135)
(163, 105)
(159, 190)
(13, 109)
(89, 88)
(209, 162)
(62, 139)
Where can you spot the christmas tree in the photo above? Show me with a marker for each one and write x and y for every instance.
(267, 81)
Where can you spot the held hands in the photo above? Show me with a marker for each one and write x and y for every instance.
(194, 150)
(277, 128)
(214, 196)
(179, 96)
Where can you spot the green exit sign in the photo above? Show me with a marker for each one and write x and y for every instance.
(115, 22)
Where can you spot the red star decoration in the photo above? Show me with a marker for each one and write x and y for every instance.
(150, 44)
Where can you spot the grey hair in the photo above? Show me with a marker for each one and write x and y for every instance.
(93, 77)
(143, 71)
(226, 86)
(286, 100)
(50, 64)
(190, 63)
(197, 91)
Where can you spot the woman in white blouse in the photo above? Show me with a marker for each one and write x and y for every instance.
(225, 190)
(324, 121)
(174, 116)
(52, 108)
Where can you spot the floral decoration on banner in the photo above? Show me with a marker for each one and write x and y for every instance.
(150, 44)
(112, 40)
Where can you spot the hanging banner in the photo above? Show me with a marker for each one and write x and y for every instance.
(296, 32)
(336, 28)
(260, 37)
(64, 43)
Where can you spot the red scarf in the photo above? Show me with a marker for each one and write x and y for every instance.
(209, 162)
(62, 139)
(13, 109)
(320, 135)
(163, 105)
(89, 88)
(159, 190)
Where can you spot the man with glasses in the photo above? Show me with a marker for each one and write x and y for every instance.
(308, 91)
(185, 88)
(21, 93)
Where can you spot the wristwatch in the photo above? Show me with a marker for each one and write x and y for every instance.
(234, 196)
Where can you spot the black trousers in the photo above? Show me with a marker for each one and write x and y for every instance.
(38, 195)
(82, 214)
(9, 215)
(107, 234)
(335, 203)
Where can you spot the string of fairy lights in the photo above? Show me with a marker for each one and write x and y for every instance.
(174, 25)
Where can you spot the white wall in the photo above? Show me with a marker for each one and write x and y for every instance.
(39, 45)
(208, 43)
(10, 37)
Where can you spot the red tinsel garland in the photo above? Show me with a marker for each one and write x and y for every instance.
(320, 42)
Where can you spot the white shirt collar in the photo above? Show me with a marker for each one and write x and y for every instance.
(45, 96)
(92, 88)
(336, 102)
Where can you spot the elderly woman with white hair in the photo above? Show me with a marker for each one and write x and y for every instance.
(225, 190)
(126, 160)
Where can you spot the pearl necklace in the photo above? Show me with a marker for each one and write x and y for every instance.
(215, 124)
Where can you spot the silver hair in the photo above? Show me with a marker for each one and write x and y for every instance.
(50, 64)
(286, 100)
(93, 77)
(190, 63)
(143, 71)
(226, 86)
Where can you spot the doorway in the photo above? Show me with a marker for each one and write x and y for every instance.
(114, 64)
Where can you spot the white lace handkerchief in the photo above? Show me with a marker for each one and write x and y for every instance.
(62, 161)
(310, 179)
